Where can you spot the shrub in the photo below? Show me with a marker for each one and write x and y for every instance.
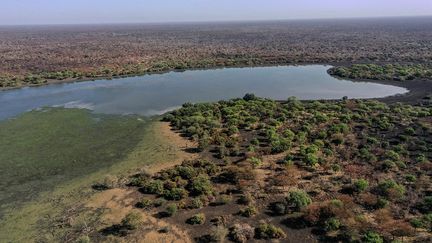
(372, 237)
(388, 165)
(298, 199)
(84, 239)
(200, 185)
(255, 142)
(426, 204)
(159, 202)
(248, 211)
(381, 203)
(245, 198)
(138, 180)
(223, 199)
(410, 178)
(171, 209)
(421, 158)
(361, 185)
(269, 231)
(417, 223)
(218, 234)
(391, 189)
(154, 187)
(392, 155)
(280, 145)
(255, 162)
(332, 224)
(249, 97)
(132, 220)
(144, 203)
(196, 219)
(336, 167)
(310, 159)
(196, 203)
(175, 194)
(203, 143)
(186, 172)
(241, 233)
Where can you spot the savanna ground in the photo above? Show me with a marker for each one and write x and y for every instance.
(66, 173)
(349, 170)
(44, 54)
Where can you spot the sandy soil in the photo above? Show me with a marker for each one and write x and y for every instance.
(118, 202)
(176, 140)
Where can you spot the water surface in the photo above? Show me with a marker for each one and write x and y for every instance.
(155, 94)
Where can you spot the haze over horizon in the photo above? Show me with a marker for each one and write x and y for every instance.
(23, 12)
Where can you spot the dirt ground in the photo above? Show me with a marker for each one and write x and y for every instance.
(118, 202)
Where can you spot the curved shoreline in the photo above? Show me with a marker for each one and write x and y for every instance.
(417, 89)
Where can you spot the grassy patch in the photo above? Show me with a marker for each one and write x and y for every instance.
(51, 157)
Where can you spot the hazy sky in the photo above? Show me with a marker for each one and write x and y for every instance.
(123, 11)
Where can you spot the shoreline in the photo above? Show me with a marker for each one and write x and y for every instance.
(418, 89)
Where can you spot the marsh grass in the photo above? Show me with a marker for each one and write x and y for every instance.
(51, 157)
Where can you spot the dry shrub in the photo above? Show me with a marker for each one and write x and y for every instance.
(397, 228)
(288, 177)
(241, 233)
(312, 213)
(355, 171)
(383, 216)
(367, 199)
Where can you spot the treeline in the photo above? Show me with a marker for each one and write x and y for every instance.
(130, 70)
(396, 72)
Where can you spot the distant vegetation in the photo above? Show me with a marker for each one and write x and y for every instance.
(395, 72)
(41, 54)
(352, 170)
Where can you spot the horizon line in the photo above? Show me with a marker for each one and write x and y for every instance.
(213, 21)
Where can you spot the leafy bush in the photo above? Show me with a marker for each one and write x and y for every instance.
(269, 231)
(298, 199)
(361, 185)
(311, 159)
(410, 178)
(391, 189)
(154, 187)
(144, 203)
(196, 203)
(372, 237)
(196, 219)
(132, 220)
(255, 162)
(171, 209)
(332, 224)
(138, 180)
(248, 211)
(175, 194)
(426, 204)
(200, 185)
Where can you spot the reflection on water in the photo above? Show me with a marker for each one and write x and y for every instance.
(155, 94)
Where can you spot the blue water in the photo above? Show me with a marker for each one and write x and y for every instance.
(155, 94)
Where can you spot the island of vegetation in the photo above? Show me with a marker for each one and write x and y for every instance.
(348, 170)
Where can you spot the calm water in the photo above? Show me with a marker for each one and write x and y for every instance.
(155, 94)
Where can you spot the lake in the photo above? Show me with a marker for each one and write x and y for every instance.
(158, 93)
